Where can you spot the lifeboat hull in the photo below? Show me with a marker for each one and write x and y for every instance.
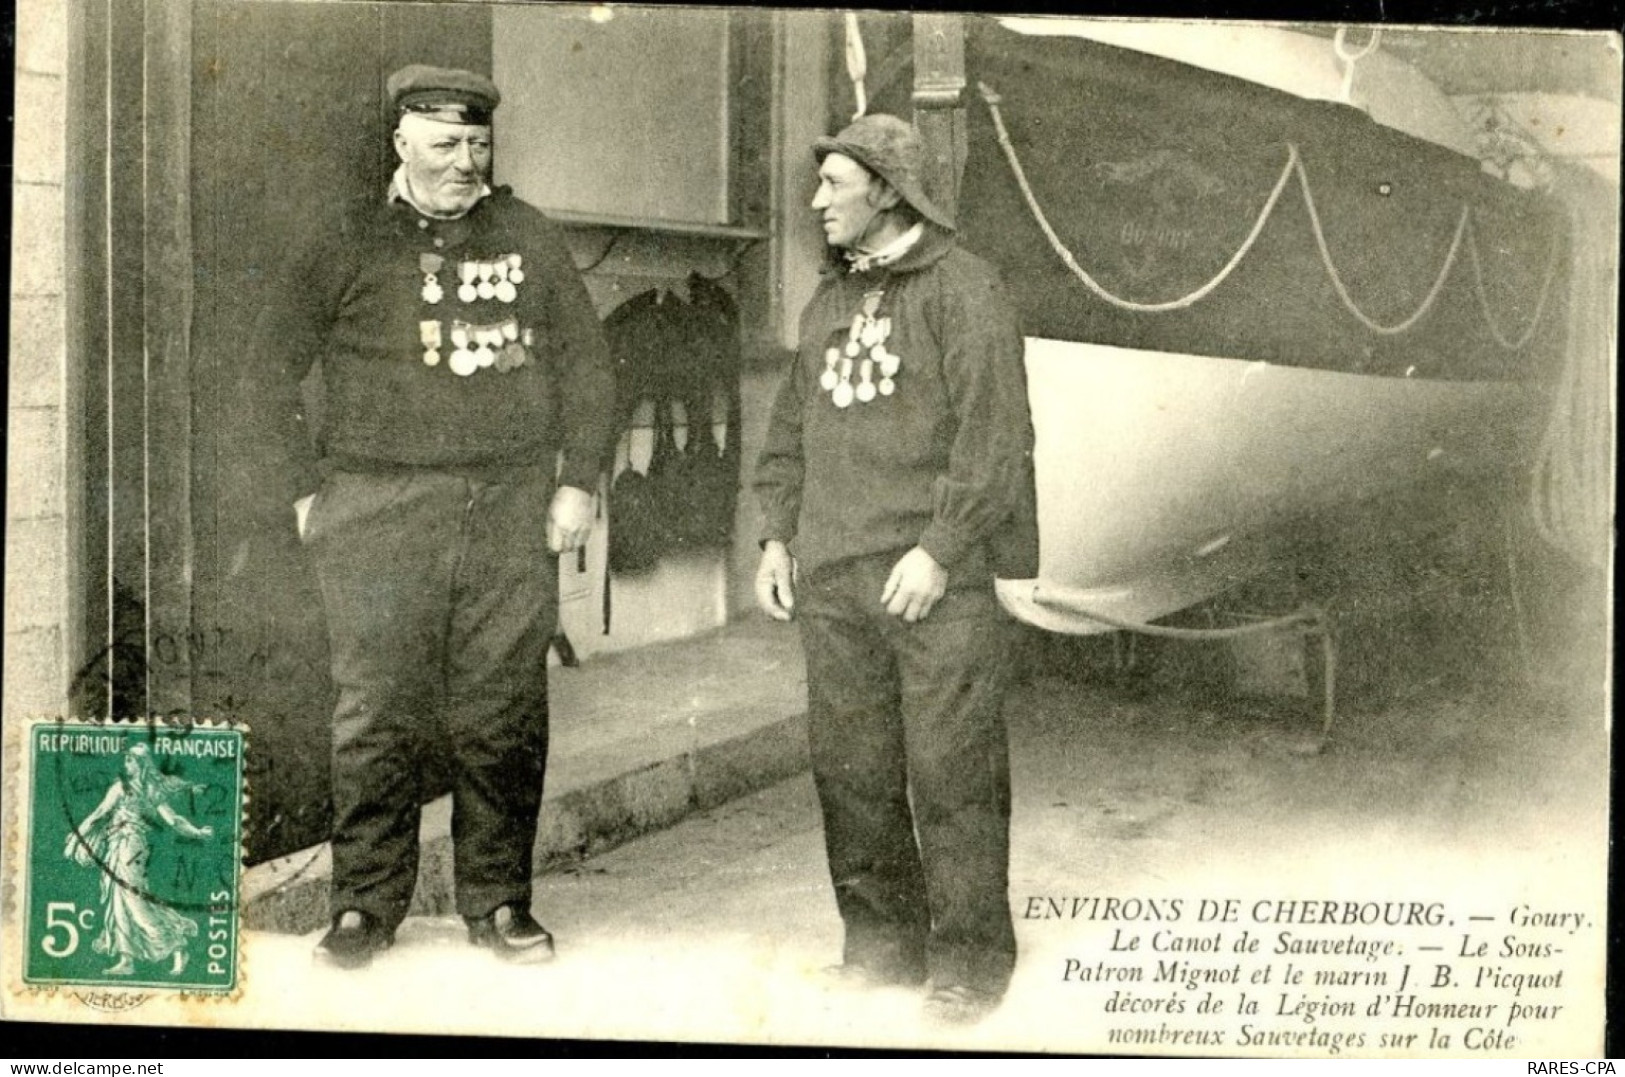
(1163, 479)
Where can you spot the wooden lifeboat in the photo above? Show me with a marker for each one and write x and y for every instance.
(1249, 305)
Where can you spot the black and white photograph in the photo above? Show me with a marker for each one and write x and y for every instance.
(811, 529)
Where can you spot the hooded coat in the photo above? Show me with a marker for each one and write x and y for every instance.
(944, 461)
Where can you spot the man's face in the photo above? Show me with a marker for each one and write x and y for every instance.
(849, 199)
(446, 163)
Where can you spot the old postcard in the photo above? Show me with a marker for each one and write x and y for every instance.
(878, 529)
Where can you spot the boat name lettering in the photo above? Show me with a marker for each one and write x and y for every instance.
(1156, 234)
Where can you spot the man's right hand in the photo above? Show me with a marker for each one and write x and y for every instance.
(775, 581)
(301, 512)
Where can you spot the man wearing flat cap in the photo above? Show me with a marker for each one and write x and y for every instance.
(895, 480)
(469, 408)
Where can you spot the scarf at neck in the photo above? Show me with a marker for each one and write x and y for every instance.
(863, 261)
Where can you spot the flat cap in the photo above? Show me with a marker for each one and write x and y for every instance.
(892, 149)
(443, 93)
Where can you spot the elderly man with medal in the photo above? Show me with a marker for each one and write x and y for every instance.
(895, 481)
(469, 411)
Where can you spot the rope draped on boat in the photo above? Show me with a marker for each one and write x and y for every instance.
(1573, 477)
(1310, 618)
(1082, 274)
(1313, 621)
(1342, 289)
(1294, 166)
(1464, 231)
(1484, 301)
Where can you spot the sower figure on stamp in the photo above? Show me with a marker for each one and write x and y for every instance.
(897, 468)
(116, 838)
(461, 357)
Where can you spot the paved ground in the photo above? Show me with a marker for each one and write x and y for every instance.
(1465, 769)
(638, 740)
(1466, 789)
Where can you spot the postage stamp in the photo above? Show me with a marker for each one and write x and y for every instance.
(133, 856)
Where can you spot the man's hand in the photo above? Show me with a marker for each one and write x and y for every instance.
(775, 581)
(569, 519)
(301, 512)
(915, 584)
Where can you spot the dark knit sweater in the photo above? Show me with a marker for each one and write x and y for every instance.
(945, 462)
(354, 298)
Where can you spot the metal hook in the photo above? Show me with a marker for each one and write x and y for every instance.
(1349, 59)
(857, 64)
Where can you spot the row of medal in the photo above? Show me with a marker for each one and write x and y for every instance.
(497, 279)
(503, 346)
(865, 350)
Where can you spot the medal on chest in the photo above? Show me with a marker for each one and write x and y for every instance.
(510, 353)
(467, 272)
(502, 346)
(864, 353)
(477, 280)
(462, 357)
(429, 333)
(429, 265)
(502, 287)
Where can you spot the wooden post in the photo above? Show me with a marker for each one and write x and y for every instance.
(167, 325)
(85, 203)
(939, 102)
(122, 232)
(133, 285)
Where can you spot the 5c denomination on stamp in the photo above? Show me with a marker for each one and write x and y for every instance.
(134, 856)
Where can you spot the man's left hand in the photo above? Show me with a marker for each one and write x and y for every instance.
(569, 519)
(915, 585)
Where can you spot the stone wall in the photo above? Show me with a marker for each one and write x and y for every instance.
(40, 526)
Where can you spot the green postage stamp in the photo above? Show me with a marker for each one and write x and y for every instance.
(134, 853)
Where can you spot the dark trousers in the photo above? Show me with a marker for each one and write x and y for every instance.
(912, 768)
(441, 596)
